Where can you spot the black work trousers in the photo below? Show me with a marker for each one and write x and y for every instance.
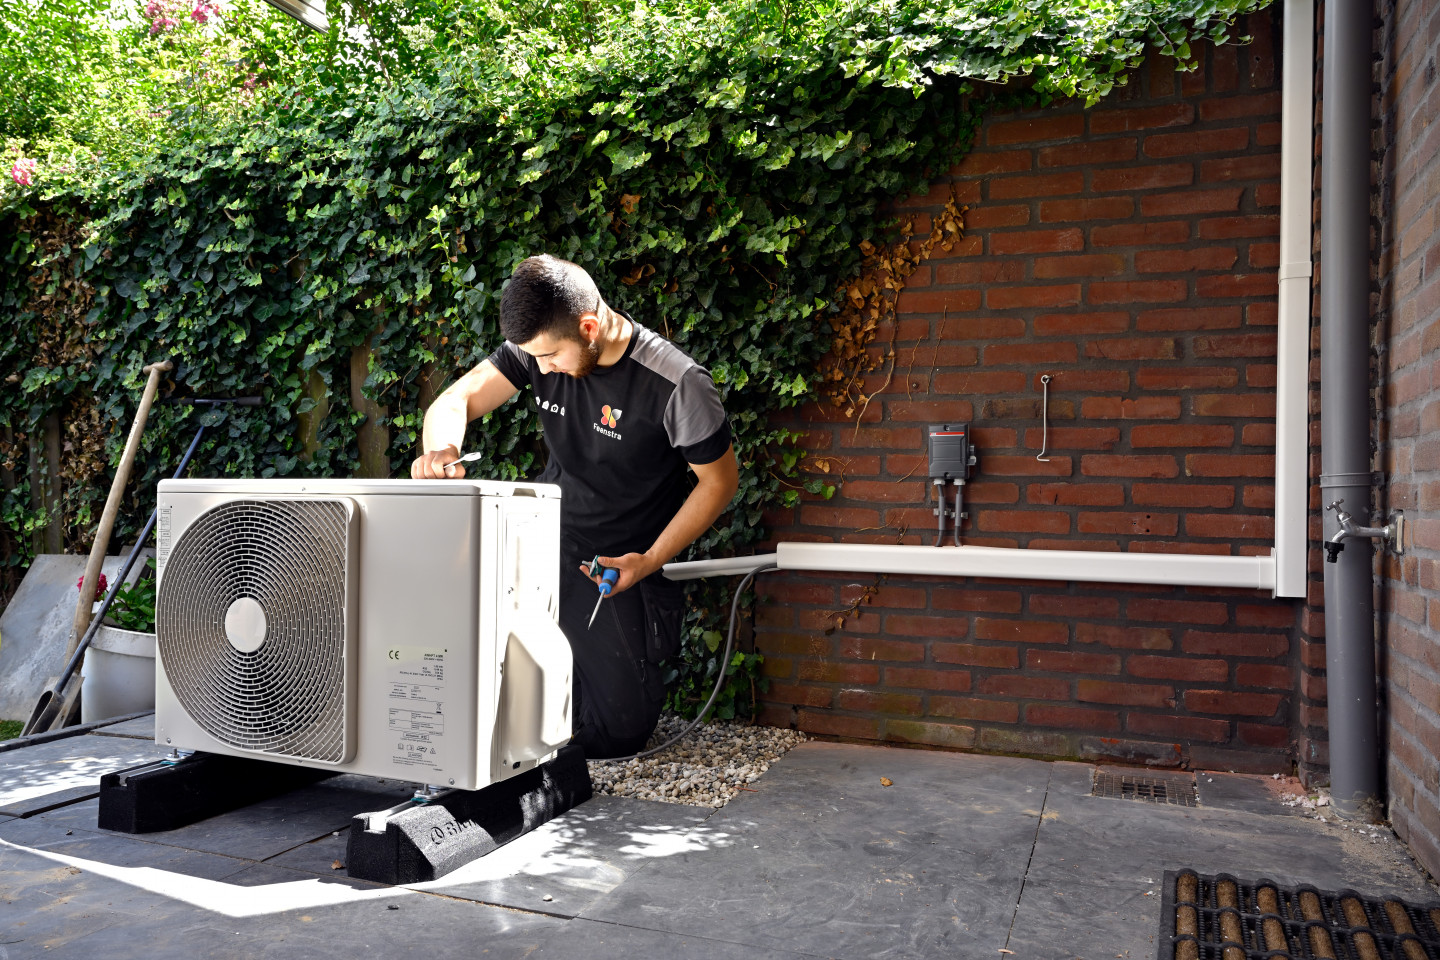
(619, 685)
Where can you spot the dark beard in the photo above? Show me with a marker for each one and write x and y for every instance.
(589, 360)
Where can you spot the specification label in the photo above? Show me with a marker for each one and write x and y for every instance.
(416, 705)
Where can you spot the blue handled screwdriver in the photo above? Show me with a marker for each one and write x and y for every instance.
(608, 576)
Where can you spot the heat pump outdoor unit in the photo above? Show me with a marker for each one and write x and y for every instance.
(394, 628)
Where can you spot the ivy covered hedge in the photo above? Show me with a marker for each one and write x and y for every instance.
(716, 169)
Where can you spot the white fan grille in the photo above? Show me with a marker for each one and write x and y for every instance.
(288, 697)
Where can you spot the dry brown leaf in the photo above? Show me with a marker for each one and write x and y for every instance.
(886, 782)
(629, 202)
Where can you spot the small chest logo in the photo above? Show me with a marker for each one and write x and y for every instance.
(552, 407)
(610, 416)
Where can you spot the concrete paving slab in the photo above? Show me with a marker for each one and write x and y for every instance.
(1066, 920)
(119, 851)
(1239, 791)
(35, 626)
(610, 941)
(141, 728)
(39, 771)
(825, 859)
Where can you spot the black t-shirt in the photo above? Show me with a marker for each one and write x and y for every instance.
(620, 438)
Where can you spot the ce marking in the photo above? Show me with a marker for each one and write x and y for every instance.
(393, 654)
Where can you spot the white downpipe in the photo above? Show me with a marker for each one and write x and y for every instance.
(1297, 135)
(1284, 571)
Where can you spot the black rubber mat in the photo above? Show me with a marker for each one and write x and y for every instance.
(1223, 918)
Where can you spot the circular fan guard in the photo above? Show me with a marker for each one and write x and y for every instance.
(288, 697)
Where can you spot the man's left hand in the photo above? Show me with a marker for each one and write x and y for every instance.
(633, 568)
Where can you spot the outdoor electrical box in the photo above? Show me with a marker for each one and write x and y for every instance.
(950, 457)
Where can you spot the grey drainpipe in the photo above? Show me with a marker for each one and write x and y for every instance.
(1345, 405)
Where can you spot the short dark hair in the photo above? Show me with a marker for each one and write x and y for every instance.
(546, 295)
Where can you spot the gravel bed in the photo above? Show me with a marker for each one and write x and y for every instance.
(710, 766)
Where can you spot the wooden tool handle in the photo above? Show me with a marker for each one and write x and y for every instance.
(112, 506)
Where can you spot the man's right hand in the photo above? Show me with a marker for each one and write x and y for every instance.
(438, 465)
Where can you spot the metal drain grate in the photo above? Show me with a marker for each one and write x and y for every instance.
(1178, 791)
(1221, 918)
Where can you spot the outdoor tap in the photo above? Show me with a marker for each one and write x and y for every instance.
(1393, 532)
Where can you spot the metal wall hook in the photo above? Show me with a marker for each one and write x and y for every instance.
(1044, 418)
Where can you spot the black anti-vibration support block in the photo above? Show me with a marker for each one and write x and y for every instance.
(428, 840)
(165, 795)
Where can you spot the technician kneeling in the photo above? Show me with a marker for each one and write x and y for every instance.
(624, 411)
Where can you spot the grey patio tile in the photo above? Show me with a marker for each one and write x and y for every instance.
(589, 940)
(140, 728)
(66, 764)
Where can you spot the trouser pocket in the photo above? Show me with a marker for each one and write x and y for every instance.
(664, 605)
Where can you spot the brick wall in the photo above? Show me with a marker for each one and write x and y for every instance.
(1129, 251)
(1408, 321)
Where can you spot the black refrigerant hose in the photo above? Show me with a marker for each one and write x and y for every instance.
(719, 680)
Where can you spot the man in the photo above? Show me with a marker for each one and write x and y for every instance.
(624, 411)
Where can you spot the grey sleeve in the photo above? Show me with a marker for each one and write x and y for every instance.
(694, 419)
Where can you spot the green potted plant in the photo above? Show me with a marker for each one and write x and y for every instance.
(120, 664)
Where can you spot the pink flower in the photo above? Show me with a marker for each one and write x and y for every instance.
(154, 9)
(162, 24)
(204, 11)
(23, 172)
(99, 587)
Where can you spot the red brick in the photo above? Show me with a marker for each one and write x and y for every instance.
(1025, 466)
(870, 701)
(1264, 734)
(1262, 167)
(1061, 604)
(1186, 378)
(1247, 285)
(922, 626)
(1189, 202)
(871, 649)
(1132, 348)
(1021, 631)
(1124, 638)
(1037, 241)
(969, 708)
(976, 655)
(1089, 153)
(1184, 261)
(1059, 295)
(1181, 495)
(928, 678)
(1138, 291)
(1229, 465)
(1279, 614)
(1229, 526)
(1140, 234)
(1267, 134)
(1076, 494)
(1128, 524)
(1108, 465)
(1048, 126)
(1030, 353)
(1140, 408)
(1181, 435)
(1224, 69)
(992, 601)
(1170, 610)
(826, 515)
(1141, 118)
(790, 591)
(1183, 669)
(1228, 108)
(1185, 729)
(1070, 324)
(828, 672)
(1142, 178)
(1126, 694)
(1081, 265)
(1264, 256)
(1026, 688)
(1235, 644)
(983, 162)
(1189, 318)
(884, 491)
(892, 438)
(990, 215)
(890, 597)
(930, 411)
(1233, 405)
(1036, 185)
(1227, 228)
(800, 695)
(1233, 704)
(967, 383)
(985, 328)
(1081, 718)
(980, 271)
(778, 667)
(1058, 661)
(1087, 209)
(938, 301)
(835, 725)
(1022, 521)
(1269, 675)
(1188, 144)
(1091, 380)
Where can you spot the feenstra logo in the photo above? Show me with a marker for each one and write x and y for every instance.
(610, 416)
